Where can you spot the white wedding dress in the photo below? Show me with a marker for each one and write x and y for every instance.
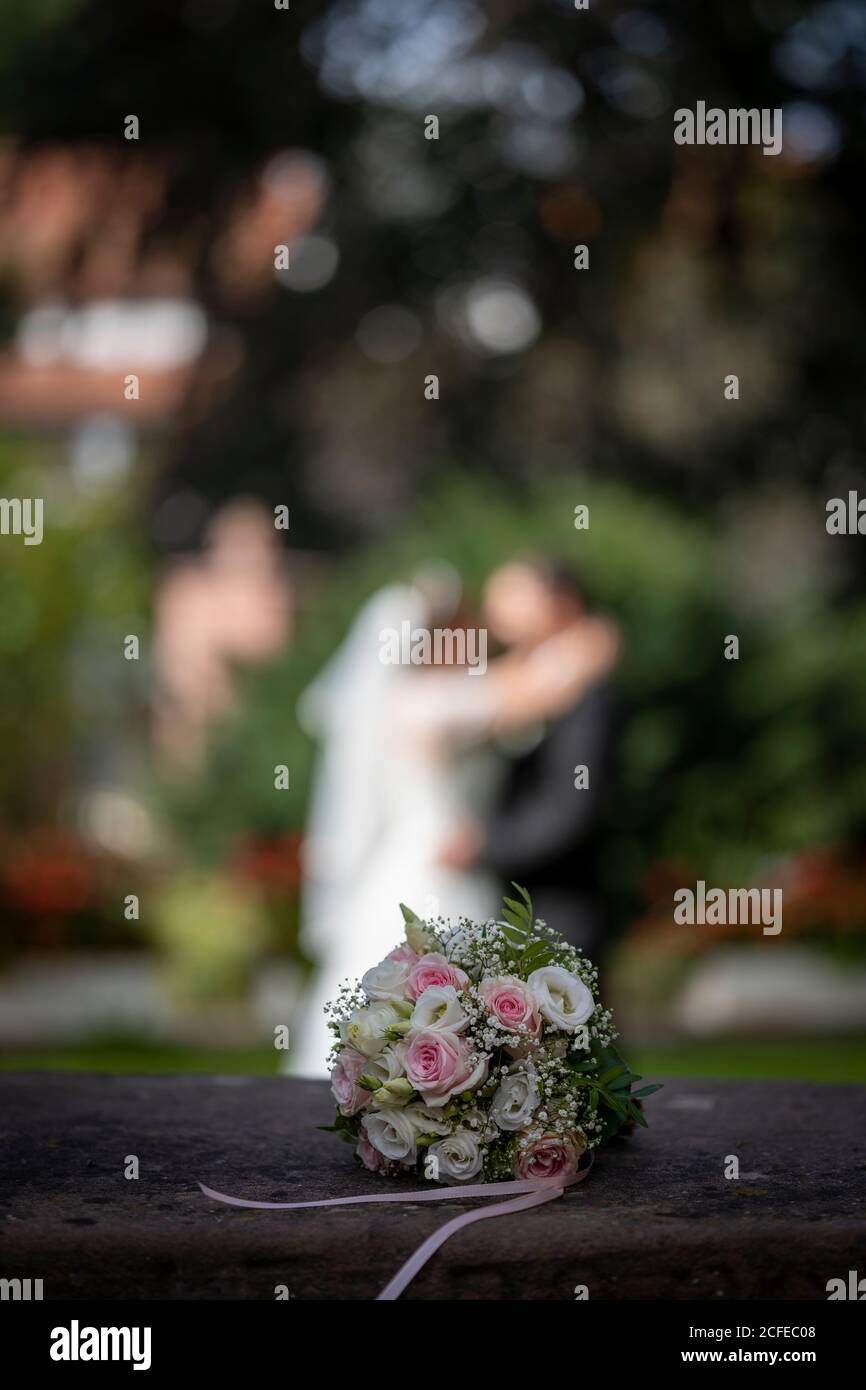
(401, 765)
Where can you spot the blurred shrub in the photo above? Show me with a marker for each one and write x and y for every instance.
(67, 697)
(210, 932)
(72, 710)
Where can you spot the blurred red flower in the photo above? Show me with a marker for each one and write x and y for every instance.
(46, 873)
(272, 863)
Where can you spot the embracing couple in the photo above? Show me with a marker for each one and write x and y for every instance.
(438, 790)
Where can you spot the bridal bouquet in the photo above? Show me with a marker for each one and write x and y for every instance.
(479, 1051)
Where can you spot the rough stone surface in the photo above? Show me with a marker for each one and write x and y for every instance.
(656, 1219)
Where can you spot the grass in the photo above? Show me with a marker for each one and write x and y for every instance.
(800, 1059)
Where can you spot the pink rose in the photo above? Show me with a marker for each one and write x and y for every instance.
(350, 1097)
(553, 1156)
(438, 1064)
(370, 1157)
(433, 969)
(511, 1004)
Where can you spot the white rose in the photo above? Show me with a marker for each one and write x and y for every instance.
(392, 1133)
(395, 1132)
(387, 980)
(513, 1104)
(458, 1156)
(562, 998)
(426, 1121)
(365, 1028)
(386, 1067)
(438, 1009)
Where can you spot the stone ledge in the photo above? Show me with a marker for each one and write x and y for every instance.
(657, 1219)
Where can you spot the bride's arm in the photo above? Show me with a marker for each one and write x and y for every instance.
(452, 707)
(553, 677)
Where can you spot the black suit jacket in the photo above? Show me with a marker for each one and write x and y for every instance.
(545, 833)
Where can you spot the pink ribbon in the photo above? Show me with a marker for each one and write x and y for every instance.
(533, 1192)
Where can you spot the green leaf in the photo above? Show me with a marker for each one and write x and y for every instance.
(622, 1085)
(648, 1090)
(343, 1130)
(514, 934)
(519, 914)
(514, 915)
(611, 1125)
(538, 954)
(408, 915)
(519, 908)
(613, 1104)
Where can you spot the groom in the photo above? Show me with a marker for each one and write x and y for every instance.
(545, 829)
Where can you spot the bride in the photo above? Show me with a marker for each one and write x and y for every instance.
(406, 756)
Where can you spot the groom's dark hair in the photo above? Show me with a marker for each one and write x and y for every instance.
(558, 576)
